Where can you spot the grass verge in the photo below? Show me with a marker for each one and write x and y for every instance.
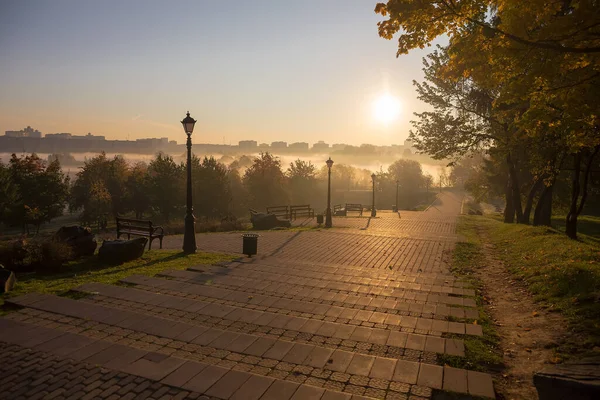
(562, 274)
(91, 270)
(481, 353)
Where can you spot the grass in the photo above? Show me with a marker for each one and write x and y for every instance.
(91, 270)
(481, 353)
(562, 274)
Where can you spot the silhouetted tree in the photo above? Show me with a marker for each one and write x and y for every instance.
(265, 182)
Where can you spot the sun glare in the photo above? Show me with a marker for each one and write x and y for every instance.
(386, 108)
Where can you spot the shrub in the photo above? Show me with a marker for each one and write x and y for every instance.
(42, 255)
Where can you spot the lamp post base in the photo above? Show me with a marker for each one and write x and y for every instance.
(189, 235)
(373, 213)
(328, 220)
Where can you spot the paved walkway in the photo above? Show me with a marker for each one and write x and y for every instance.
(364, 310)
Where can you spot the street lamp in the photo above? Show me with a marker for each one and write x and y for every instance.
(189, 235)
(328, 221)
(373, 212)
(397, 186)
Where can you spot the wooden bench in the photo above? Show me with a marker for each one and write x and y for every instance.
(354, 207)
(138, 227)
(302, 211)
(338, 210)
(279, 211)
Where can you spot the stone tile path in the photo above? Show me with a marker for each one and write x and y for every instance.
(340, 314)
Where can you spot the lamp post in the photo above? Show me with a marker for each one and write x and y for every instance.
(189, 235)
(397, 186)
(373, 212)
(328, 221)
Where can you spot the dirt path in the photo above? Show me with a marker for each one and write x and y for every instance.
(528, 333)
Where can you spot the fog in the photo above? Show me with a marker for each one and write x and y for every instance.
(377, 163)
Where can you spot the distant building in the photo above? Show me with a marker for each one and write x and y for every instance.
(279, 145)
(27, 132)
(63, 135)
(264, 146)
(298, 146)
(247, 144)
(339, 146)
(89, 136)
(320, 146)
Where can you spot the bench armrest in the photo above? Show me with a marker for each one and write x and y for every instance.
(162, 231)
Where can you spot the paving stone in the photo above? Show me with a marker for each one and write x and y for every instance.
(184, 373)
(430, 376)
(339, 361)
(383, 368)
(205, 379)
(455, 380)
(280, 390)
(225, 387)
(406, 372)
(361, 364)
(306, 392)
(480, 384)
(253, 388)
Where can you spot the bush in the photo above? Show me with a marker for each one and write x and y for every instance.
(41, 255)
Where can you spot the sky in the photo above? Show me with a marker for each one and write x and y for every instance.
(266, 70)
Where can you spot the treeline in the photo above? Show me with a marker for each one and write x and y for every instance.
(35, 191)
(518, 80)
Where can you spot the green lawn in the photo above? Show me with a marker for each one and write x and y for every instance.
(91, 270)
(586, 224)
(562, 274)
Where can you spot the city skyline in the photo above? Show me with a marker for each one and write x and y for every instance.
(267, 71)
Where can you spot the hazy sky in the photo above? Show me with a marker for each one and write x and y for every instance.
(302, 70)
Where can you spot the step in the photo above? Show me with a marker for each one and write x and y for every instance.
(274, 286)
(354, 271)
(349, 366)
(288, 324)
(288, 274)
(347, 308)
(202, 378)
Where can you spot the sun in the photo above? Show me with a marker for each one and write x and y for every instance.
(386, 108)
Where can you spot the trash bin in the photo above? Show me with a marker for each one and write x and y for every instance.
(249, 244)
(319, 218)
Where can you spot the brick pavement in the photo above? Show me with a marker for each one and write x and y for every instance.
(342, 314)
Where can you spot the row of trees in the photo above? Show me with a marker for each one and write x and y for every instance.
(34, 191)
(518, 80)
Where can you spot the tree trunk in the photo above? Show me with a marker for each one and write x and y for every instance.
(543, 209)
(509, 210)
(516, 193)
(576, 209)
(529, 205)
(571, 222)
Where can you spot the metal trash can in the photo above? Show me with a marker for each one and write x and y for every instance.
(319, 218)
(250, 244)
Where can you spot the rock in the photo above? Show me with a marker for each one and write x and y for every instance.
(570, 381)
(7, 280)
(81, 240)
(263, 221)
(120, 251)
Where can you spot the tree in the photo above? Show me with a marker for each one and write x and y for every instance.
(541, 62)
(42, 190)
(302, 179)
(408, 173)
(265, 182)
(8, 193)
(137, 189)
(212, 194)
(166, 186)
